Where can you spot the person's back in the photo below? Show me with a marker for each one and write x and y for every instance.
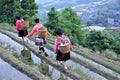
(21, 32)
(62, 47)
(18, 23)
(35, 29)
(63, 43)
(39, 40)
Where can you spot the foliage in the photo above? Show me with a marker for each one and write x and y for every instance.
(89, 23)
(109, 52)
(69, 23)
(10, 8)
(29, 7)
(100, 40)
(52, 22)
(117, 44)
(72, 23)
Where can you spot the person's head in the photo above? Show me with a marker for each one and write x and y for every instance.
(58, 32)
(36, 20)
(18, 17)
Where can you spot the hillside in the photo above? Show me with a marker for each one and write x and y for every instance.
(65, 3)
(107, 13)
(91, 12)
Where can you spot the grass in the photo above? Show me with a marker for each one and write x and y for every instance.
(113, 74)
(80, 72)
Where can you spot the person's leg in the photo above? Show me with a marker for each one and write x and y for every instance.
(65, 65)
(43, 50)
(23, 39)
(44, 40)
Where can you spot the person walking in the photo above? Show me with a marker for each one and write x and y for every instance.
(40, 41)
(61, 56)
(21, 32)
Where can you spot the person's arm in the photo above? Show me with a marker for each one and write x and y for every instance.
(71, 46)
(55, 47)
(17, 25)
(32, 32)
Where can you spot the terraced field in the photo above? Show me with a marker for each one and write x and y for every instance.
(84, 64)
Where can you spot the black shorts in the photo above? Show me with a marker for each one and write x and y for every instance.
(22, 33)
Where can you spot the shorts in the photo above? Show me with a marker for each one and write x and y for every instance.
(22, 33)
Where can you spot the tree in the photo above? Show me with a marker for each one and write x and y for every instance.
(100, 40)
(117, 44)
(89, 23)
(70, 23)
(8, 10)
(52, 22)
(29, 7)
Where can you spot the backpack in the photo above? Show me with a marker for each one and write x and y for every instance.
(64, 45)
(25, 25)
(42, 32)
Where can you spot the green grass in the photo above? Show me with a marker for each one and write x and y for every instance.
(110, 53)
(80, 72)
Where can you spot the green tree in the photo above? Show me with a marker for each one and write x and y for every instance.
(100, 40)
(8, 10)
(89, 23)
(117, 44)
(71, 25)
(29, 7)
(52, 22)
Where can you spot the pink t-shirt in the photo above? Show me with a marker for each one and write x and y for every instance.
(35, 29)
(18, 25)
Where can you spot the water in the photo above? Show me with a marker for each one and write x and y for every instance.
(7, 72)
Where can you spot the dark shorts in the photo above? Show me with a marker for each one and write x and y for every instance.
(22, 33)
(62, 57)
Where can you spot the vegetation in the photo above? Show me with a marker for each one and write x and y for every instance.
(68, 21)
(104, 42)
(65, 19)
(100, 40)
(10, 8)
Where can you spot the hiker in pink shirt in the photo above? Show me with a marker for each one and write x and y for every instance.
(60, 57)
(35, 30)
(21, 32)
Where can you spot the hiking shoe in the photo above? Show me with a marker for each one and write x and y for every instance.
(45, 54)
